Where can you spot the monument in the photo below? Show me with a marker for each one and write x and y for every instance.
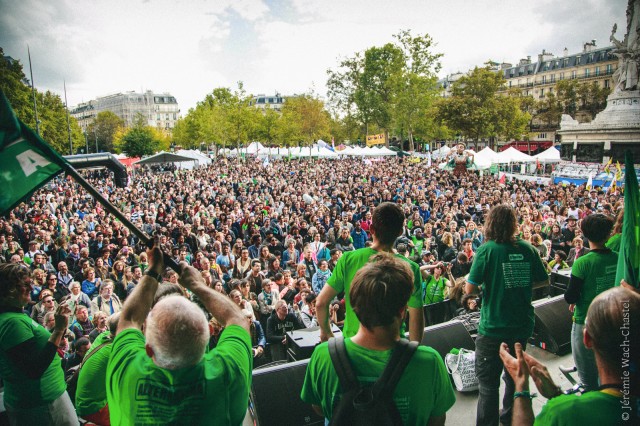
(617, 127)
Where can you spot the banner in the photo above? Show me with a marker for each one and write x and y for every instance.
(375, 139)
(27, 161)
(629, 255)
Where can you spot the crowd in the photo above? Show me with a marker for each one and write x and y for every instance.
(269, 237)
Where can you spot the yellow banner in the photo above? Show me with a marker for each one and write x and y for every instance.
(375, 139)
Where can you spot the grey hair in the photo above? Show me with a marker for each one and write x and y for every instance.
(178, 333)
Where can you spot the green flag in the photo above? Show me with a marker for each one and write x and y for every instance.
(27, 161)
(629, 255)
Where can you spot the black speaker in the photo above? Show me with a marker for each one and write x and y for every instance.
(559, 281)
(446, 336)
(275, 396)
(552, 331)
(301, 343)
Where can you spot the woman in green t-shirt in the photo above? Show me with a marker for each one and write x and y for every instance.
(435, 285)
(35, 391)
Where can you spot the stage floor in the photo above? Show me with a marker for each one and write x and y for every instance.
(464, 411)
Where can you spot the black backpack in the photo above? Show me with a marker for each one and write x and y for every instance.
(368, 404)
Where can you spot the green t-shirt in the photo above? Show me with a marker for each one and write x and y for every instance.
(598, 271)
(434, 289)
(346, 269)
(91, 392)
(506, 272)
(215, 391)
(424, 390)
(614, 243)
(19, 390)
(591, 408)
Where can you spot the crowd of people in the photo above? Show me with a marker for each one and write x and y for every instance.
(267, 239)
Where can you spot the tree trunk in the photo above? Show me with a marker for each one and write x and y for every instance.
(411, 146)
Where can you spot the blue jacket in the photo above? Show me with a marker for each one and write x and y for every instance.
(358, 238)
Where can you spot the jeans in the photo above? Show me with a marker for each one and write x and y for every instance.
(584, 358)
(59, 412)
(488, 369)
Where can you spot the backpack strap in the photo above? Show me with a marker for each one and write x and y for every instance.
(340, 361)
(392, 373)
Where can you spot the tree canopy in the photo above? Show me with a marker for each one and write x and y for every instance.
(52, 113)
(477, 111)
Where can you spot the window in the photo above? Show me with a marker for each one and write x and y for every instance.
(597, 71)
(574, 74)
(553, 78)
(544, 79)
(587, 72)
(541, 93)
(606, 84)
(609, 68)
(561, 76)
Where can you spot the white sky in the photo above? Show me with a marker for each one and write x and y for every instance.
(190, 47)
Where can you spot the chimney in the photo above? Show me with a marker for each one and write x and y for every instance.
(565, 52)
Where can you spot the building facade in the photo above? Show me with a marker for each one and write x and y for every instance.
(263, 102)
(538, 79)
(159, 110)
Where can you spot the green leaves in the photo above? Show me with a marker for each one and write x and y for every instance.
(476, 110)
(51, 110)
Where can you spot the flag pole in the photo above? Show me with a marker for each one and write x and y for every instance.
(110, 208)
(33, 92)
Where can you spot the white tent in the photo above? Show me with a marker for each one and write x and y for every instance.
(551, 155)
(164, 157)
(487, 154)
(200, 159)
(384, 151)
(512, 155)
(440, 152)
(253, 148)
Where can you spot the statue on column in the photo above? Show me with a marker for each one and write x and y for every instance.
(628, 50)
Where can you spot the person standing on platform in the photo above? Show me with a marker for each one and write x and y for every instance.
(386, 226)
(508, 269)
(591, 274)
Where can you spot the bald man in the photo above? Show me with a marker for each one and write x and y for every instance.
(164, 376)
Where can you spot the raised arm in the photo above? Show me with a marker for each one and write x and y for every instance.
(138, 304)
(220, 306)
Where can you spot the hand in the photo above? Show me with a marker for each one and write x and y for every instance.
(541, 377)
(296, 307)
(325, 336)
(156, 259)
(516, 367)
(572, 307)
(61, 316)
(190, 278)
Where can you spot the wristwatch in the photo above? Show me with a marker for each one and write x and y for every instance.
(155, 276)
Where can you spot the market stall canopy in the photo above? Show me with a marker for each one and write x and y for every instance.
(512, 155)
(551, 155)
(441, 152)
(164, 157)
(199, 158)
(487, 154)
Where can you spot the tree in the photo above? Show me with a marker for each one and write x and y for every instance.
(391, 86)
(310, 119)
(267, 126)
(140, 140)
(103, 130)
(476, 111)
(52, 113)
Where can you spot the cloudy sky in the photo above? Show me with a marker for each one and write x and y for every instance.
(190, 47)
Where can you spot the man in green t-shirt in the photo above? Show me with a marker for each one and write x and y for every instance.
(379, 293)
(386, 225)
(91, 390)
(612, 336)
(591, 274)
(164, 376)
(508, 270)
